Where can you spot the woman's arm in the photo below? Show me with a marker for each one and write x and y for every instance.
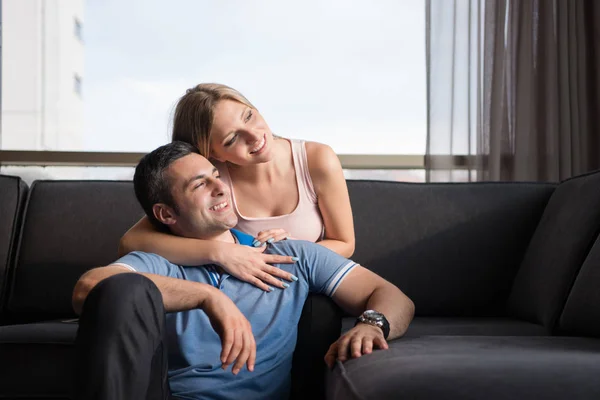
(244, 262)
(144, 236)
(332, 194)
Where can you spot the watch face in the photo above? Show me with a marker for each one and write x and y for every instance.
(372, 314)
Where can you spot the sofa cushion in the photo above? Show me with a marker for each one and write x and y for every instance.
(12, 198)
(481, 326)
(69, 227)
(581, 315)
(566, 232)
(42, 354)
(452, 248)
(471, 367)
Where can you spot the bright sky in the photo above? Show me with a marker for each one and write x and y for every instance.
(347, 73)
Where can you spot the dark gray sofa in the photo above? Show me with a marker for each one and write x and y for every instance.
(503, 276)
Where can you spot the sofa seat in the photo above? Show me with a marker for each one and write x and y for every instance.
(37, 360)
(424, 326)
(471, 367)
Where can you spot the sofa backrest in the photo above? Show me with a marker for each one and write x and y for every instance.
(581, 315)
(68, 228)
(558, 248)
(12, 198)
(454, 249)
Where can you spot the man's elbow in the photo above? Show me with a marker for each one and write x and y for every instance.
(410, 309)
(83, 287)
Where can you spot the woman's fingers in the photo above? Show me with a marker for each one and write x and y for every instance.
(258, 283)
(277, 259)
(253, 266)
(279, 273)
(270, 236)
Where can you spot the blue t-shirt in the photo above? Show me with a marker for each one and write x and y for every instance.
(194, 347)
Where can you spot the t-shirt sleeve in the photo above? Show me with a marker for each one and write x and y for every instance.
(323, 269)
(138, 261)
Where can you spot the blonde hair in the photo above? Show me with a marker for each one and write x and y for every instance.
(194, 113)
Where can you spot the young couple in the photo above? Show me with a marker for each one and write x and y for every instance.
(233, 296)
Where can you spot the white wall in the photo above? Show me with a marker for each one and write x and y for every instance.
(40, 57)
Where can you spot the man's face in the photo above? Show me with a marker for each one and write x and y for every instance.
(204, 201)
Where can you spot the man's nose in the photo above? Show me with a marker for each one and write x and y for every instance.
(219, 187)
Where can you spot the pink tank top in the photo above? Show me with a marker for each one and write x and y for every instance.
(305, 222)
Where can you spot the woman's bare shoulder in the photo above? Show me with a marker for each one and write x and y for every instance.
(322, 160)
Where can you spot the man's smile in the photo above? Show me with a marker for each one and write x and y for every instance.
(220, 207)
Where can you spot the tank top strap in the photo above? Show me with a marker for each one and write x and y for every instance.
(305, 183)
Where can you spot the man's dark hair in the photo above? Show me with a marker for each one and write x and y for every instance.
(151, 183)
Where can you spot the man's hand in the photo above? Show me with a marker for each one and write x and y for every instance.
(356, 342)
(233, 328)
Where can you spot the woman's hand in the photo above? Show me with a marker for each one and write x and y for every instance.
(270, 236)
(249, 264)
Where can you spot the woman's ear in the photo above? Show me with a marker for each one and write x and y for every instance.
(164, 214)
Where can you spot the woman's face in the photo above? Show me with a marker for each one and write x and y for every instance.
(239, 134)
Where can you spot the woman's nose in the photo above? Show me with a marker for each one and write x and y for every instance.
(253, 136)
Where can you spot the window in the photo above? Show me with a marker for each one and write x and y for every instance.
(347, 73)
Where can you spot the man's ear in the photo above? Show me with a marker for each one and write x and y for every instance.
(164, 214)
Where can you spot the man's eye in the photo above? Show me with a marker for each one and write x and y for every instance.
(199, 185)
(230, 142)
(248, 116)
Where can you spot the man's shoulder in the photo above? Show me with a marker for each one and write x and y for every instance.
(287, 247)
(142, 256)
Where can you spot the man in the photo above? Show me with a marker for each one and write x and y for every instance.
(128, 348)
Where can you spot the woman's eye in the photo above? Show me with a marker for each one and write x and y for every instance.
(230, 142)
(248, 116)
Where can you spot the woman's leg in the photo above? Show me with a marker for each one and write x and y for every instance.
(121, 342)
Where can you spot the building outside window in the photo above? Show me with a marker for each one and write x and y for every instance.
(77, 84)
(78, 29)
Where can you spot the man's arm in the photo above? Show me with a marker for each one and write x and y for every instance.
(364, 290)
(181, 295)
(178, 294)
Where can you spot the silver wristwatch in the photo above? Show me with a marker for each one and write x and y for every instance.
(375, 318)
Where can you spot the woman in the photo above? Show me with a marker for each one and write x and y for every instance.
(280, 189)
